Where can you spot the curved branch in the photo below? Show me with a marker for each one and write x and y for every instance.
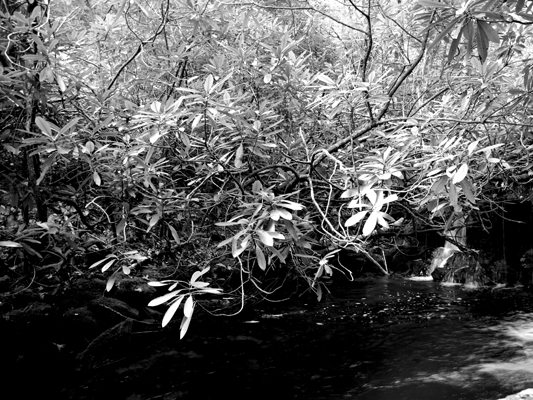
(308, 8)
(297, 176)
(159, 30)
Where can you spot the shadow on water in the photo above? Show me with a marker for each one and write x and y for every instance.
(376, 339)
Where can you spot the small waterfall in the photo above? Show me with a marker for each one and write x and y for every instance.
(440, 257)
(442, 254)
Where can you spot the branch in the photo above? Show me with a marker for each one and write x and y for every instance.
(159, 30)
(274, 166)
(308, 8)
(428, 101)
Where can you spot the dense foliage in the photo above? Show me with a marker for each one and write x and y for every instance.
(256, 139)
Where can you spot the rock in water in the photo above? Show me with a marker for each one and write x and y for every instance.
(523, 395)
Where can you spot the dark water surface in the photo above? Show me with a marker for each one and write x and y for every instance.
(378, 339)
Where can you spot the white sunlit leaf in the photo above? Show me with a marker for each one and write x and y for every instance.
(200, 285)
(9, 243)
(171, 311)
(357, 204)
(372, 196)
(397, 174)
(163, 299)
(108, 265)
(460, 174)
(370, 224)
(472, 146)
(211, 290)
(379, 200)
(185, 322)
(265, 238)
(290, 205)
(110, 282)
(157, 284)
(356, 218)
(392, 197)
(349, 193)
(275, 214)
(198, 274)
(188, 307)
(97, 263)
(285, 214)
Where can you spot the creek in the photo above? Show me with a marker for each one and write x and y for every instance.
(374, 338)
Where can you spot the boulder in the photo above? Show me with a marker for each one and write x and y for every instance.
(523, 395)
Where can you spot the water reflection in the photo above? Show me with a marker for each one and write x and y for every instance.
(444, 342)
(375, 339)
(515, 342)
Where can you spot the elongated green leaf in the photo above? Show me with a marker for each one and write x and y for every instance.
(261, 260)
(488, 149)
(200, 285)
(285, 214)
(208, 84)
(163, 299)
(445, 31)
(433, 4)
(198, 274)
(489, 31)
(97, 263)
(453, 195)
(185, 322)
(153, 221)
(30, 250)
(439, 185)
(325, 79)
(468, 191)
(469, 36)
(96, 178)
(224, 242)
(275, 215)
(291, 229)
(188, 307)
(8, 243)
(460, 174)
(291, 205)
(472, 146)
(121, 228)
(108, 265)
(110, 282)
(44, 126)
(211, 290)
(356, 218)
(265, 238)
(454, 45)
(281, 256)
(171, 311)
(157, 284)
(276, 235)
(238, 156)
(70, 125)
(370, 224)
(46, 166)
(482, 43)
(175, 235)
